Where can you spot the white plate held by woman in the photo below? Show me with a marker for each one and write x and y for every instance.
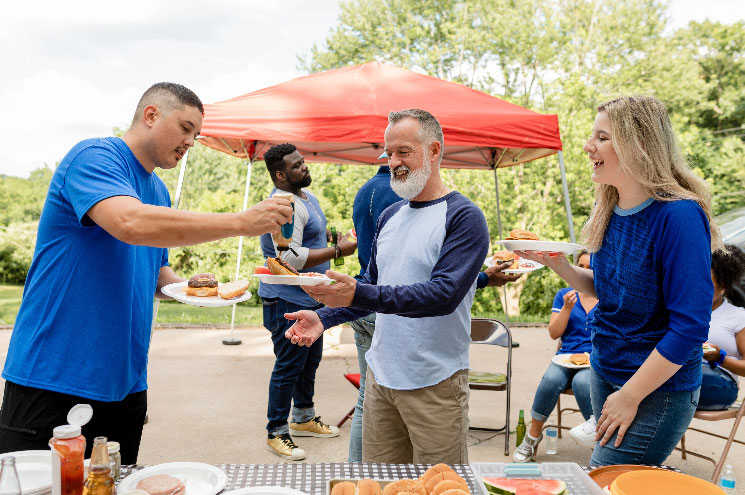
(199, 478)
(543, 246)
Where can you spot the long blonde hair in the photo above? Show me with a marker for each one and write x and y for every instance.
(647, 149)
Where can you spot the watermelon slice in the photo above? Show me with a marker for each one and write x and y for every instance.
(511, 486)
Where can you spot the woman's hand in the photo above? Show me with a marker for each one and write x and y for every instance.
(551, 260)
(618, 413)
(712, 354)
(570, 298)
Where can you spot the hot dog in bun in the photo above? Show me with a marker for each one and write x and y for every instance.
(278, 266)
(202, 285)
(522, 235)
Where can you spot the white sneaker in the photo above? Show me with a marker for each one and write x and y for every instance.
(526, 451)
(584, 434)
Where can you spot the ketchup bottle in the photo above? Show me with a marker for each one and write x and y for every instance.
(68, 451)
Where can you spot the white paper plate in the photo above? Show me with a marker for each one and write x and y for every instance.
(292, 279)
(265, 490)
(199, 478)
(526, 266)
(176, 291)
(545, 246)
(563, 360)
(34, 470)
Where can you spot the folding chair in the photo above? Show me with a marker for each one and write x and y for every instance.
(735, 412)
(493, 332)
(354, 379)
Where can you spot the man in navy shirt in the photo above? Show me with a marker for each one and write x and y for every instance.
(293, 377)
(83, 329)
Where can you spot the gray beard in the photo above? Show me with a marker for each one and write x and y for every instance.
(414, 183)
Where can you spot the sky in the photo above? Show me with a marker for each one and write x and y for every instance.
(76, 69)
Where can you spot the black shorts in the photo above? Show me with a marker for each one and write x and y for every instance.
(29, 415)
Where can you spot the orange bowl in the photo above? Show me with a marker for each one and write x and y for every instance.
(661, 482)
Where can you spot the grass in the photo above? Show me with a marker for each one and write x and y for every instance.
(172, 312)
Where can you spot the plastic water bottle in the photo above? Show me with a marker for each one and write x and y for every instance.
(727, 480)
(551, 439)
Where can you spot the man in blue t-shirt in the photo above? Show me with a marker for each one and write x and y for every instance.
(83, 329)
(291, 386)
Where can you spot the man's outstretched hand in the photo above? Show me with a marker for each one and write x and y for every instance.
(306, 329)
(497, 277)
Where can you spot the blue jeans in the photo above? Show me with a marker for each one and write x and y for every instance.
(294, 374)
(718, 389)
(660, 422)
(555, 380)
(363, 334)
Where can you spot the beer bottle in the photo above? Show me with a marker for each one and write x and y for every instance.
(338, 260)
(520, 430)
(100, 481)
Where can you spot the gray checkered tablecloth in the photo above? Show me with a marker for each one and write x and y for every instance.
(313, 479)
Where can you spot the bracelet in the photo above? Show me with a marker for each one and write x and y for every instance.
(337, 251)
(720, 361)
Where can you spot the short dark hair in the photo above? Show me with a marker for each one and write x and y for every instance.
(168, 96)
(274, 157)
(728, 267)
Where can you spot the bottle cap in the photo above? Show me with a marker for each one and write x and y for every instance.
(66, 431)
(113, 447)
(80, 414)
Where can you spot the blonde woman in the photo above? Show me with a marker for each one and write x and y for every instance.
(651, 236)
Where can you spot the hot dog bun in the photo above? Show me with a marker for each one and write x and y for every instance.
(232, 289)
(435, 480)
(445, 485)
(405, 486)
(280, 267)
(343, 488)
(368, 487)
(522, 235)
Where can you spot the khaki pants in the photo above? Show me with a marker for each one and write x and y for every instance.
(423, 426)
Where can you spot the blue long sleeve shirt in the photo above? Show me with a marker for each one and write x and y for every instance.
(654, 288)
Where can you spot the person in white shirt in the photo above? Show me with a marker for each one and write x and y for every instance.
(724, 351)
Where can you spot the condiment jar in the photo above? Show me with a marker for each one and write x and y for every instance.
(115, 459)
(68, 451)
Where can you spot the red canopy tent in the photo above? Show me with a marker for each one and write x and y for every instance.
(339, 116)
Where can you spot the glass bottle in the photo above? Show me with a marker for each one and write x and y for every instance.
(115, 459)
(68, 452)
(9, 482)
(100, 481)
(335, 241)
(520, 429)
(727, 481)
(551, 438)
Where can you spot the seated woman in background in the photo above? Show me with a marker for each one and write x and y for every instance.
(726, 358)
(569, 322)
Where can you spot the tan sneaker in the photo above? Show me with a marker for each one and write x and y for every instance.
(313, 428)
(283, 446)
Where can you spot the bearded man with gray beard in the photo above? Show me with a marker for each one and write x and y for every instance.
(420, 282)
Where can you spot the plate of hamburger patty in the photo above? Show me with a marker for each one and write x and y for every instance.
(204, 290)
(281, 273)
(524, 240)
(574, 361)
(519, 265)
(176, 478)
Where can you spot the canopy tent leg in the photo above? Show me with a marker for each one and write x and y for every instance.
(499, 233)
(567, 204)
(176, 201)
(232, 340)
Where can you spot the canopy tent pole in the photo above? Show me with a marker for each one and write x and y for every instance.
(567, 204)
(499, 232)
(176, 201)
(231, 340)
